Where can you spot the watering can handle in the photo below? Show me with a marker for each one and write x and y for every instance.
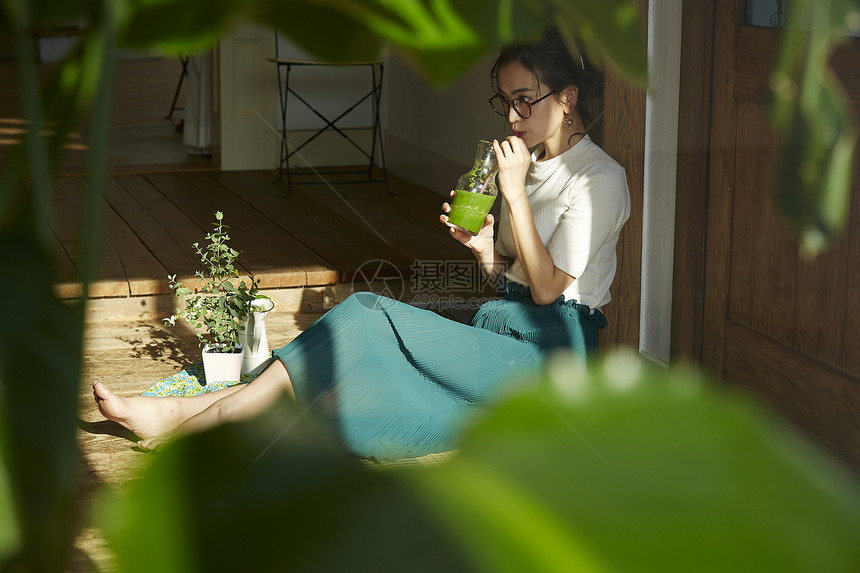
(258, 333)
(251, 333)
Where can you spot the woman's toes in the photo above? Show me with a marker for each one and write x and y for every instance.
(150, 444)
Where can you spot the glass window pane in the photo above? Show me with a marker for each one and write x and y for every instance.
(768, 13)
(772, 14)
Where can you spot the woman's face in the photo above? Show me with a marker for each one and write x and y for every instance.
(545, 121)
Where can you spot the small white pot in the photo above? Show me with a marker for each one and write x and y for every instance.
(221, 366)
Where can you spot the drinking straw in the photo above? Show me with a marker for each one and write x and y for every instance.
(487, 180)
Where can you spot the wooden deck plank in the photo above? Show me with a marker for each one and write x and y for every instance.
(310, 238)
(67, 281)
(145, 273)
(413, 238)
(165, 230)
(274, 257)
(423, 203)
(110, 279)
(341, 243)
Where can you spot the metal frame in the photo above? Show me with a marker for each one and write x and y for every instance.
(183, 57)
(377, 69)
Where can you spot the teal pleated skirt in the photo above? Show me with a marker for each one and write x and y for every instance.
(399, 381)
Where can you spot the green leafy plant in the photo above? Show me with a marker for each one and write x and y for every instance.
(218, 309)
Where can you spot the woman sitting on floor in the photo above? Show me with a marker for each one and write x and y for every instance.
(399, 381)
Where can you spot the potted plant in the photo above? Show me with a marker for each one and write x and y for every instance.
(218, 308)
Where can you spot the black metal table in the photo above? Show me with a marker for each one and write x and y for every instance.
(285, 90)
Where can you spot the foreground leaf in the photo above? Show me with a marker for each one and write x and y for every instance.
(644, 472)
(271, 495)
(812, 111)
(177, 25)
(614, 469)
(40, 359)
(10, 534)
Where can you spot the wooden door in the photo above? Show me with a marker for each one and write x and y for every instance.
(784, 328)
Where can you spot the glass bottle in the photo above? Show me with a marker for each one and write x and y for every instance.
(476, 191)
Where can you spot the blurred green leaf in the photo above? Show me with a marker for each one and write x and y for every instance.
(610, 33)
(644, 472)
(489, 512)
(445, 38)
(58, 14)
(40, 359)
(178, 25)
(812, 111)
(274, 494)
(321, 29)
(616, 469)
(10, 536)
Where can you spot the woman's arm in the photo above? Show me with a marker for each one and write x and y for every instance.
(546, 281)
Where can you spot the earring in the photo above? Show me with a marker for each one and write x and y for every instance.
(569, 121)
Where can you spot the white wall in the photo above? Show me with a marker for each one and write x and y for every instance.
(432, 134)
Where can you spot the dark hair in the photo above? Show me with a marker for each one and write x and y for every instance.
(554, 66)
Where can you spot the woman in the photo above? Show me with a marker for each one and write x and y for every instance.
(398, 381)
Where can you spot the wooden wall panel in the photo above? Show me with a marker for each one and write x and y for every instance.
(809, 278)
(757, 233)
(746, 214)
(759, 166)
(756, 50)
(822, 401)
(691, 203)
(851, 326)
(720, 186)
(831, 304)
(784, 285)
(624, 141)
(772, 324)
(767, 275)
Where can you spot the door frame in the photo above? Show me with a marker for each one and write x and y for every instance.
(693, 179)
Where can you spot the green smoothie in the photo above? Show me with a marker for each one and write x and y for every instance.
(469, 210)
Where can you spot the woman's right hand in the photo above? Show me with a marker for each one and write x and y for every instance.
(482, 242)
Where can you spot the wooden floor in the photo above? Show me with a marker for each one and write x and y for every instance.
(159, 200)
(142, 137)
(314, 235)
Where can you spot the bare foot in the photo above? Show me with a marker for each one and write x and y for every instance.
(153, 444)
(148, 417)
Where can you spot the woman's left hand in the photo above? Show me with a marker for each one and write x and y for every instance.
(514, 159)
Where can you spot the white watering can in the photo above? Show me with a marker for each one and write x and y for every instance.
(256, 356)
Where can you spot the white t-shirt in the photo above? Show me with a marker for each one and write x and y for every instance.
(580, 201)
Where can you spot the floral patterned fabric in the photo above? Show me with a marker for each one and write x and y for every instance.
(190, 381)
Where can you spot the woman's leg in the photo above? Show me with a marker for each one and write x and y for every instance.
(155, 419)
(254, 399)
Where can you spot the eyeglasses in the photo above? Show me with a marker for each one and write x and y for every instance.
(502, 106)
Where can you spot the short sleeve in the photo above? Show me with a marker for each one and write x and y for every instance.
(599, 205)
